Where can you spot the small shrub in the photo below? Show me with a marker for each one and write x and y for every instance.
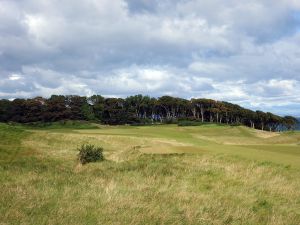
(190, 123)
(141, 122)
(170, 121)
(236, 124)
(90, 153)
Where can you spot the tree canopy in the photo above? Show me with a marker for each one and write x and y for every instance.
(138, 109)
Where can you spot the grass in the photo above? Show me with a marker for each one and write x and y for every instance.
(153, 175)
(63, 124)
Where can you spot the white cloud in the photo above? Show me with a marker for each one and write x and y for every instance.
(15, 77)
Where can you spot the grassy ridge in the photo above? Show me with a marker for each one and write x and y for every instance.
(63, 124)
(152, 175)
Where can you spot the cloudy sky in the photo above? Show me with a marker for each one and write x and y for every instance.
(242, 51)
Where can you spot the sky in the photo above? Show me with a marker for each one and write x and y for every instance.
(242, 51)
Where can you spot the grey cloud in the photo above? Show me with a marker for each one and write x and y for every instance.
(218, 49)
(142, 6)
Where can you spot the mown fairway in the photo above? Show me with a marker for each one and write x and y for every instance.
(153, 175)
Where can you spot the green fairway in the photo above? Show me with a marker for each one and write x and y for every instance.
(163, 174)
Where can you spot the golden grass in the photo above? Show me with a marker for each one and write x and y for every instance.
(210, 184)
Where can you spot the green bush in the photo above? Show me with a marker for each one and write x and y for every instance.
(170, 121)
(141, 122)
(236, 124)
(190, 123)
(90, 153)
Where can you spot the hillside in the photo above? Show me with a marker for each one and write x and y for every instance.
(163, 174)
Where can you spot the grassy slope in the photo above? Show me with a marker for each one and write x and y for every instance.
(228, 175)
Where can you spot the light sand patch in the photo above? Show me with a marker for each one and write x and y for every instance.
(162, 146)
(264, 134)
(170, 142)
(213, 139)
(158, 149)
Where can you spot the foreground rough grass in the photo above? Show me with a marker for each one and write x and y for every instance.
(198, 180)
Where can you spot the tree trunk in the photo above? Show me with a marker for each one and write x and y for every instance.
(194, 112)
(227, 119)
(202, 114)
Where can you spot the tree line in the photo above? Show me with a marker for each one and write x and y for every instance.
(138, 109)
